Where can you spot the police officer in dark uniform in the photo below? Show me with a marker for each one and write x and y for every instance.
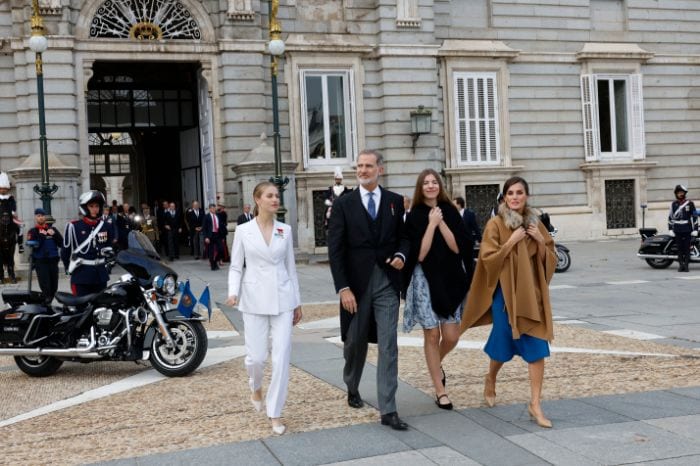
(682, 220)
(83, 244)
(45, 242)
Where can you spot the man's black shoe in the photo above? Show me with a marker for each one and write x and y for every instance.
(215, 267)
(354, 400)
(392, 420)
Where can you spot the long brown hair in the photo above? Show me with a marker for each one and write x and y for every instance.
(419, 198)
(258, 191)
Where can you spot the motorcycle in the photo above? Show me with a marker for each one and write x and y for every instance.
(133, 319)
(660, 250)
(563, 253)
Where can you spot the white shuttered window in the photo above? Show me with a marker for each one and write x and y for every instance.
(613, 117)
(476, 118)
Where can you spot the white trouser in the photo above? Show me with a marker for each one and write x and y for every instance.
(259, 329)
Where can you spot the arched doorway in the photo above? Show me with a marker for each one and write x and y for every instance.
(144, 127)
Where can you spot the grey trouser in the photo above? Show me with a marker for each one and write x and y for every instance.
(381, 297)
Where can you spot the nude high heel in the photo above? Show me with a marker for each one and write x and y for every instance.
(489, 391)
(540, 420)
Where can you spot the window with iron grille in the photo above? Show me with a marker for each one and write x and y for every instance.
(481, 198)
(619, 204)
(476, 119)
(319, 213)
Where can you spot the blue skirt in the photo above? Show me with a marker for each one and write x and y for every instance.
(501, 346)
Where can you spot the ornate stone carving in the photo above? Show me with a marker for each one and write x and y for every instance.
(50, 7)
(407, 14)
(240, 10)
(144, 20)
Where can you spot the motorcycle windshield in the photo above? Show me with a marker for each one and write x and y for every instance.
(140, 243)
(141, 260)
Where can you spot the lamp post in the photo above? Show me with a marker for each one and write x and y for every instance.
(39, 43)
(276, 49)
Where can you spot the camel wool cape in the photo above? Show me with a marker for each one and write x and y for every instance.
(524, 279)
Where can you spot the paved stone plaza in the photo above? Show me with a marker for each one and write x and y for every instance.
(622, 387)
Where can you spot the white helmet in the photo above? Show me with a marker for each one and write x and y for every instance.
(91, 196)
(4, 180)
(338, 173)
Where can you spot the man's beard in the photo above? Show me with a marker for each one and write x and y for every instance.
(366, 181)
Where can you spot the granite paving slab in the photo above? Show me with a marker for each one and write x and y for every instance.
(472, 440)
(647, 405)
(550, 451)
(620, 443)
(692, 392)
(564, 414)
(332, 445)
(253, 453)
(679, 461)
(685, 426)
(424, 457)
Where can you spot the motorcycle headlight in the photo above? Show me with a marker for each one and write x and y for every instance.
(158, 282)
(169, 285)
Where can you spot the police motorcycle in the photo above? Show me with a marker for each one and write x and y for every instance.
(660, 250)
(133, 319)
(563, 253)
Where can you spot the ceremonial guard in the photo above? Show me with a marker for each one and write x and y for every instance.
(682, 220)
(10, 230)
(334, 192)
(45, 242)
(83, 242)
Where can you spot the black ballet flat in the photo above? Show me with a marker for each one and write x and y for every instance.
(447, 406)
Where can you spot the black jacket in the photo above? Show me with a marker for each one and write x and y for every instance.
(353, 250)
(448, 274)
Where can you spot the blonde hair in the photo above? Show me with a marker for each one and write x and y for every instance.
(258, 191)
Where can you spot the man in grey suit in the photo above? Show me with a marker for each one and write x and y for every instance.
(366, 253)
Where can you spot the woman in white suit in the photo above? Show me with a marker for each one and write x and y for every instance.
(262, 281)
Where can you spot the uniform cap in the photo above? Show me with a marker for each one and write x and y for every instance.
(680, 187)
(39, 211)
(4, 180)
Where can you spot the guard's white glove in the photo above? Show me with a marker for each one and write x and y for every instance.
(671, 234)
(694, 233)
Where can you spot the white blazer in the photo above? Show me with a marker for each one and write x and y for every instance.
(268, 283)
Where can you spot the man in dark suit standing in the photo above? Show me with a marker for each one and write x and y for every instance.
(246, 216)
(212, 230)
(366, 253)
(173, 228)
(193, 218)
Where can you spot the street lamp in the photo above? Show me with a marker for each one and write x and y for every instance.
(276, 49)
(39, 43)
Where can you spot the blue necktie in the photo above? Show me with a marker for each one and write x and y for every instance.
(371, 206)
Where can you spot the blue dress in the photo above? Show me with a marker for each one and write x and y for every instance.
(419, 308)
(501, 346)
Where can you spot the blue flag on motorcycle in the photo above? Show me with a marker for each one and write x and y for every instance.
(205, 300)
(187, 301)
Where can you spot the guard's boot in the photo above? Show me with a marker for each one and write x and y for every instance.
(686, 263)
(680, 262)
(11, 273)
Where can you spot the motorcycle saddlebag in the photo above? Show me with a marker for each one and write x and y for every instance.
(17, 297)
(15, 322)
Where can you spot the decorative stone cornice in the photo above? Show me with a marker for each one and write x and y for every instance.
(612, 51)
(335, 43)
(626, 166)
(477, 48)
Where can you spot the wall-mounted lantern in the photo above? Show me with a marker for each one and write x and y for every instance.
(421, 120)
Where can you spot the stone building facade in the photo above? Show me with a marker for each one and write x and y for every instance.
(595, 102)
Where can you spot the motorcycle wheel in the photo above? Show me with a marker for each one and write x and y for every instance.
(659, 263)
(190, 340)
(563, 261)
(38, 366)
